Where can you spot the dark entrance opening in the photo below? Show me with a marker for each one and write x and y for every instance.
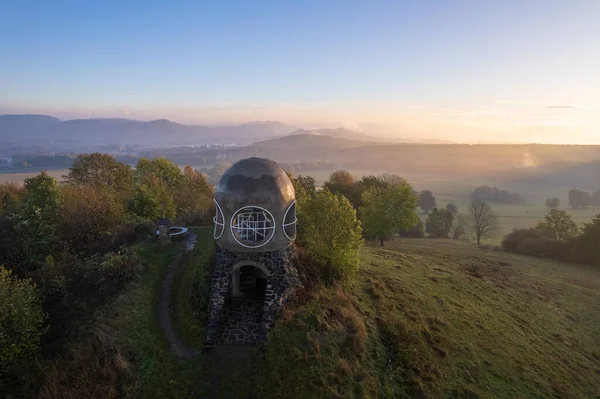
(250, 284)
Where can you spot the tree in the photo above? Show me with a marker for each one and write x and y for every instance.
(35, 219)
(162, 168)
(10, 196)
(460, 226)
(561, 224)
(21, 321)
(483, 219)
(194, 194)
(439, 222)
(304, 187)
(393, 180)
(387, 209)
(341, 177)
(89, 216)
(553, 202)
(341, 182)
(427, 201)
(371, 181)
(153, 200)
(452, 207)
(332, 234)
(579, 198)
(100, 170)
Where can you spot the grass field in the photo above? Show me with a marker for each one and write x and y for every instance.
(19, 176)
(423, 318)
(437, 318)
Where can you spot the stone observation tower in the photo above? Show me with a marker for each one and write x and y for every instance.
(253, 275)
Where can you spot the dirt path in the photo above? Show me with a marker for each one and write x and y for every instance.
(165, 303)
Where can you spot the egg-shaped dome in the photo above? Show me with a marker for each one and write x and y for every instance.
(255, 207)
(256, 177)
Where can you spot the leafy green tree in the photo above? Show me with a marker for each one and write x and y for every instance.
(194, 195)
(304, 187)
(162, 168)
(153, 200)
(483, 219)
(371, 181)
(341, 182)
(553, 202)
(439, 222)
(331, 233)
(561, 224)
(426, 201)
(35, 219)
(387, 209)
(21, 321)
(101, 170)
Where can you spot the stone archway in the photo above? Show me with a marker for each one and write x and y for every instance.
(249, 281)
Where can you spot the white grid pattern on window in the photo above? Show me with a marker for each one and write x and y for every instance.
(252, 226)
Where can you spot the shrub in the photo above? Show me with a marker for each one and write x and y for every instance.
(21, 321)
(538, 241)
(104, 275)
(417, 231)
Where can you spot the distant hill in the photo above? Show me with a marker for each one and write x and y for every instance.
(46, 131)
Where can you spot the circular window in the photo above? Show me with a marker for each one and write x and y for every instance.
(219, 221)
(289, 222)
(252, 226)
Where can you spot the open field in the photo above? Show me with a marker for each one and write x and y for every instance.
(423, 318)
(19, 176)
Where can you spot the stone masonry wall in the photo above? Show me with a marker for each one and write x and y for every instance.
(283, 279)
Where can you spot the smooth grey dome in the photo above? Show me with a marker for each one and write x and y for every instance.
(255, 207)
(256, 178)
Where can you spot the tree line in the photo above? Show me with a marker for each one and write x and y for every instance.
(558, 237)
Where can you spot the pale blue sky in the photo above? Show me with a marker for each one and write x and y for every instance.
(334, 62)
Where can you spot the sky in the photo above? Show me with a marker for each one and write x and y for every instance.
(469, 71)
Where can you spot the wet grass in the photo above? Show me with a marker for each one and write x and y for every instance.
(436, 318)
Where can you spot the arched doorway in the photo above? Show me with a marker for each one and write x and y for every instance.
(249, 282)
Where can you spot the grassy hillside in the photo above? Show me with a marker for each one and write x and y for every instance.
(423, 318)
(436, 318)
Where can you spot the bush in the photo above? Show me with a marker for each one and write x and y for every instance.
(417, 231)
(513, 240)
(21, 321)
(101, 276)
(538, 242)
